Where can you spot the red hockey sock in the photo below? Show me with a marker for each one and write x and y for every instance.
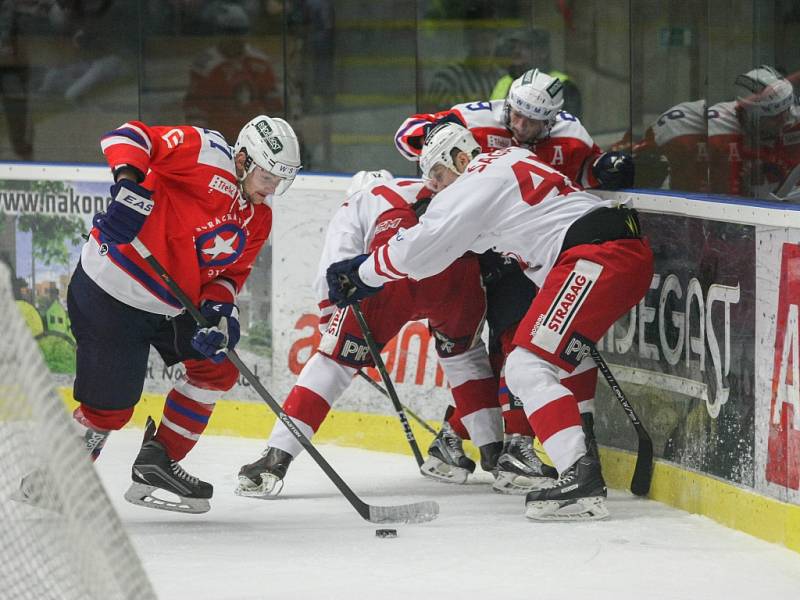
(307, 406)
(514, 419)
(452, 416)
(182, 423)
(103, 420)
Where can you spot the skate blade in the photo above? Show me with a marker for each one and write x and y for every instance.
(592, 508)
(270, 487)
(511, 483)
(441, 471)
(144, 495)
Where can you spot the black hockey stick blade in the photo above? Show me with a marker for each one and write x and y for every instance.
(418, 512)
(643, 471)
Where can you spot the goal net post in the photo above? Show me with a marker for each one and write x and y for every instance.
(70, 543)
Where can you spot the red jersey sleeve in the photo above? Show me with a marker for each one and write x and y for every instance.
(151, 147)
(411, 134)
(390, 222)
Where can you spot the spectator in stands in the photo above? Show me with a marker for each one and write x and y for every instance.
(522, 50)
(231, 81)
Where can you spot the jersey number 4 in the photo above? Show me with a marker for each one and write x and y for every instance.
(537, 182)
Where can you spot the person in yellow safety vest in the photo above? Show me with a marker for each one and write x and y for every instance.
(518, 51)
(572, 95)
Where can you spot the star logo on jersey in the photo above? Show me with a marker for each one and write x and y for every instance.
(221, 246)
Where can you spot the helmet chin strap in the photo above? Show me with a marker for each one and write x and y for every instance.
(249, 166)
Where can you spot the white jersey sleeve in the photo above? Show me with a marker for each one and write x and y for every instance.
(722, 120)
(352, 229)
(508, 200)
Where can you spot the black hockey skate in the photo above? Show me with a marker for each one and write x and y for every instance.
(446, 459)
(490, 453)
(578, 495)
(153, 471)
(519, 469)
(264, 477)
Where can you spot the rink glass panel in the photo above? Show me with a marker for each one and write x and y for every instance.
(347, 72)
(693, 339)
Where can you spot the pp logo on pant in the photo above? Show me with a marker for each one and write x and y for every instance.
(354, 351)
(577, 348)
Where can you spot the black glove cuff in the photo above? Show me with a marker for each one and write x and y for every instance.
(122, 169)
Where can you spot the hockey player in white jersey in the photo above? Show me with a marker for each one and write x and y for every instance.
(586, 256)
(680, 135)
(452, 301)
(531, 116)
(348, 232)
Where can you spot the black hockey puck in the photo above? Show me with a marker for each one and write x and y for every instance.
(386, 533)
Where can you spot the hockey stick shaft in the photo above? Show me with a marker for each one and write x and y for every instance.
(643, 471)
(410, 412)
(417, 512)
(387, 382)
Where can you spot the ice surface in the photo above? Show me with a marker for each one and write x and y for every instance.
(310, 543)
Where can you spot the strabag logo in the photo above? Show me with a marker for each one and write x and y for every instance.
(565, 306)
(783, 450)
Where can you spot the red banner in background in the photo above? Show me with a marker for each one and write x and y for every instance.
(783, 456)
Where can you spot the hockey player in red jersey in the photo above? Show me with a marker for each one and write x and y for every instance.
(754, 141)
(586, 256)
(202, 208)
(530, 116)
(452, 301)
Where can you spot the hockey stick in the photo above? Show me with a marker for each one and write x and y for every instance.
(411, 413)
(643, 471)
(417, 512)
(387, 381)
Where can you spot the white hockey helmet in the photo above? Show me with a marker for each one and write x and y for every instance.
(440, 144)
(364, 179)
(271, 144)
(535, 95)
(763, 92)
